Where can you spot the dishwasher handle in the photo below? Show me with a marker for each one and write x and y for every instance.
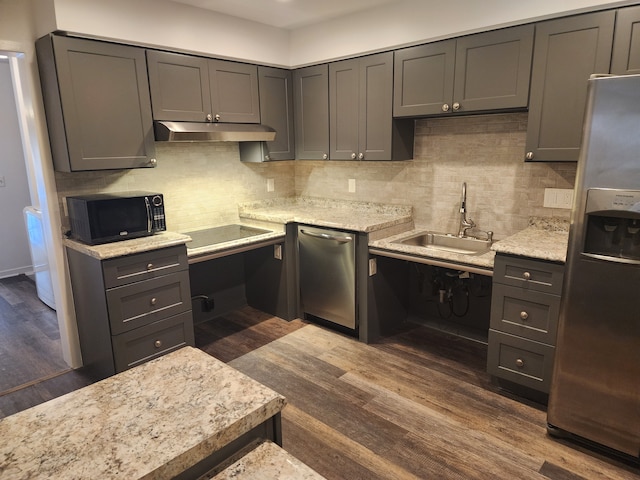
(326, 236)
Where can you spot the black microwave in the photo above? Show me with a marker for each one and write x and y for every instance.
(110, 217)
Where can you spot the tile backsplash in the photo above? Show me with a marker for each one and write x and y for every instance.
(203, 183)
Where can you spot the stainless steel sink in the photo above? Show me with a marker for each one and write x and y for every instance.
(447, 242)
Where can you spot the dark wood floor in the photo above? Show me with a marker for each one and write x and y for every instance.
(416, 405)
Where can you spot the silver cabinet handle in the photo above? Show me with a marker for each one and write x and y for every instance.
(149, 266)
(209, 117)
(519, 363)
(153, 162)
(217, 117)
(353, 156)
(157, 344)
(445, 107)
(267, 157)
(325, 156)
(456, 106)
(361, 156)
(326, 236)
(529, 156)
(526, 276)
(524, 315)
(153, 301)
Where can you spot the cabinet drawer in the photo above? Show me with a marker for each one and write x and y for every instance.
(146, 343)
(141, 266)
(530, 314)
(135, 305)
(529, 274)
(519, 360)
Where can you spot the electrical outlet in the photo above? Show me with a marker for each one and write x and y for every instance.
(277, 252)
(558, 198)
(2, 181)
(352, 185)
(373, 266)
(270, 185)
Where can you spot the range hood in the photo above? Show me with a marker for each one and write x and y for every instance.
(166, 131)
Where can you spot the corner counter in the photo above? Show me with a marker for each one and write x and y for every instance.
(154, 421)
(543, 239)
(128, 247)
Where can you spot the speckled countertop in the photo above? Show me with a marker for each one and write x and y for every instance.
(355, 216)
(153, 421)
(268, 462)
(544, 239)
(128, 247)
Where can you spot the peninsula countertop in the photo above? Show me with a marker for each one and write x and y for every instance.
(543, 239)
(153, 421)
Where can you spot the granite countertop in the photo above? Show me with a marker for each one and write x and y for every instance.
(543, 239)
(355, 216)
(128, 247)
(153, 421)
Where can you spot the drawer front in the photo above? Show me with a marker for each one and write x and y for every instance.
(530, 314)
(135, 305)
(528, 274)
(521, 361)
(142, 266)
(146, 343)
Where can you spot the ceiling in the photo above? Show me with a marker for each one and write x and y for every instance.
(287, 14)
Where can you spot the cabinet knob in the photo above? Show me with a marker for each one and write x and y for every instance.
(153, 162)
(529, 156)
(157, 344)
(209, 117)
(526, 276)
(217, 117)
(524, 315)
(325, 156)
(149, 266)
(361, 156)
(456, 106)
(267, 157)
(445, 107)
(353, 156)
(519, 363)
(153, 301)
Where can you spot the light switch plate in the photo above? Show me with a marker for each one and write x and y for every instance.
(558, 198)
(270, 185)
(352, 185)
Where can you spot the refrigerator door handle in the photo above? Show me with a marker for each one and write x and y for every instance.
(607, 258)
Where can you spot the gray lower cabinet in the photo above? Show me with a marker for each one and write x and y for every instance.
(96, 98)
(131, 309)
(361, 124)
(276, 111)
(486, 71)
(626, 43)
(198, 89)
(311, 104)
(567, 52)
(525, 306)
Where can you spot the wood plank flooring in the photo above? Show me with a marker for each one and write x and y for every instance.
(417, 405)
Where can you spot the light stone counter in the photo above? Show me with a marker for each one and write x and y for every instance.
(355, 216)
(153, 421)
(128, 247)
(544, 239)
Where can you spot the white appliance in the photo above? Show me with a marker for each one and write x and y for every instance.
(44, 285)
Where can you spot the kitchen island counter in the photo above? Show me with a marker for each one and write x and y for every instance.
(153, 421)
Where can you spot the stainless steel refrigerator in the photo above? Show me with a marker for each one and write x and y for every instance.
(595, 391)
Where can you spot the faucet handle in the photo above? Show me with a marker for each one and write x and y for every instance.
(490, 236)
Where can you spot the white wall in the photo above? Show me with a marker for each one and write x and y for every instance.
(14, 247)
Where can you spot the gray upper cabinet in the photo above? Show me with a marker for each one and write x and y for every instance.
(486, 71)
(96, 98)
(361, 125)
(567, 51)
(311, 103)
(196, 89)
(626, 43)
(276, 107)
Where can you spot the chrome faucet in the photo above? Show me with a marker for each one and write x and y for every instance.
(465, 223)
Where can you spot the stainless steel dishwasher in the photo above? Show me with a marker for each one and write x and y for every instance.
(328, 274)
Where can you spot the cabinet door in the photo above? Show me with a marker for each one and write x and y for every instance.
(234, 92)
(376, 107)
(566, 52)
(97, 104)
(424, 79)
(311, 100)
(343, 109)
(276, 109)
(626, 44)
(179, 86)
(493, 69)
